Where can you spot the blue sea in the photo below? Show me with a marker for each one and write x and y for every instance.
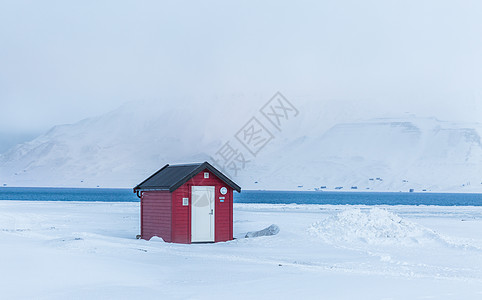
(249, 196)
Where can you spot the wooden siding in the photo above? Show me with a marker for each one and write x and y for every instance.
(223, 211)
(181, 215)
(156, 215)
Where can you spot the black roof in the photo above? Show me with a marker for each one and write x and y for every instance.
(172, 177)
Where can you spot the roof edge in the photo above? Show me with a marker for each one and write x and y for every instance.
(224, 178)
(205, 165)
(137, 186)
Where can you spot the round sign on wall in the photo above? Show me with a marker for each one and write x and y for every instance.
(224, 190)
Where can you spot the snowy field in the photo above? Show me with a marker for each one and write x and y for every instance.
(85, 250)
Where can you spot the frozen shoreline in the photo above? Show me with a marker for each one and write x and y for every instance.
(88, 250)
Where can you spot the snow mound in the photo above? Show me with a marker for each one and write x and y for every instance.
(156, 239)
(268, 231)
(371, 226)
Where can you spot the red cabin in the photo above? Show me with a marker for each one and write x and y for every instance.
(187, 204)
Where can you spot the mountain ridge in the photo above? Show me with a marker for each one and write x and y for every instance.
(122, 147)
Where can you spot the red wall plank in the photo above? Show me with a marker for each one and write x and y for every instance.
(156, 217)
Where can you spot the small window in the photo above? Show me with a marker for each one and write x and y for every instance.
(185, 201)
(206, 175)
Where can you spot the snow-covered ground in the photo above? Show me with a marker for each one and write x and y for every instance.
(84, 250)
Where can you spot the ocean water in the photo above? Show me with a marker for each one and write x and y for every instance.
(283, 197)
(365, 198)
(67, 194)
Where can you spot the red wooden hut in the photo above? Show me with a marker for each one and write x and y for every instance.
(187, 203)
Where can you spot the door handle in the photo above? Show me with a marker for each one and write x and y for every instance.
(212, 212)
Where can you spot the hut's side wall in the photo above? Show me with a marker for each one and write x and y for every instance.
(223, 211)
(156, 215)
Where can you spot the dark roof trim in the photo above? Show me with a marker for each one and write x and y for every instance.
(193, 173)
(137, 186)
(215, 171)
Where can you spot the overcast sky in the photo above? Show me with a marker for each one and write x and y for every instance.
(61, 61)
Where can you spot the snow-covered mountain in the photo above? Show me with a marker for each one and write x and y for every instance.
(121, 148)
(384, 155)
(112, 150)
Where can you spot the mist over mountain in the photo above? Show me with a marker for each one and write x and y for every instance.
(382, 155)
(121, 148)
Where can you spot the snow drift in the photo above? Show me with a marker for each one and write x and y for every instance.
(268, 231)
(370, 226)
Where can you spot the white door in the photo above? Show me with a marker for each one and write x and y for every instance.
(202, 214)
